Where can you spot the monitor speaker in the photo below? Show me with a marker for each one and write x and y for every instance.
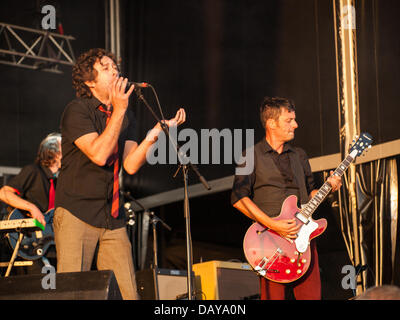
(90, 285)
(172, 284)
(221, 280)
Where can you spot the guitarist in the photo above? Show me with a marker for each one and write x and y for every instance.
(280, 170)
(33, 189)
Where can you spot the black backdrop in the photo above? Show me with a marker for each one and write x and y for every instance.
(216, 58)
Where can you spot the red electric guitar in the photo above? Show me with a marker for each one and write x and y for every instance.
(285, 260)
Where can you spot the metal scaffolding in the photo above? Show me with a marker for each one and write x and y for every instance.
(349, 122)
(115, 34)
(35, 49)
(368, 200)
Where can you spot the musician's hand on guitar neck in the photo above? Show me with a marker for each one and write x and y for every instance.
(287, 228)
(35, 213)
(334, 181)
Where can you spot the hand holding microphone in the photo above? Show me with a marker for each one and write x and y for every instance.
(119, 98)
(138, 85)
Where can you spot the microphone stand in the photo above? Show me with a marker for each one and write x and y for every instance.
(185, 169)
(136, 250)
(154, 221)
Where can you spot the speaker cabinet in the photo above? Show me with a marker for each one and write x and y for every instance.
(90, 285)
(220, 280)
(171, 284)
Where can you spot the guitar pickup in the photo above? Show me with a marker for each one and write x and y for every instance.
(301, 218)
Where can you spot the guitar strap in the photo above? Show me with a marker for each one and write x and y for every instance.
(298, 172)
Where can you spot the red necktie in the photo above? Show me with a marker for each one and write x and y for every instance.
(113, 159)
(52, 194)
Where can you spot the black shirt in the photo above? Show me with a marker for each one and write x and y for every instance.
(32, 183)
(84, 188)
(262, 177)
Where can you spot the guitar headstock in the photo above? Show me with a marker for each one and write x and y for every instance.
(360, 144)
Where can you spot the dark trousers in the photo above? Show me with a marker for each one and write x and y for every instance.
(308, 287)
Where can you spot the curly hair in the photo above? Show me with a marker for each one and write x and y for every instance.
(49, 148)
(83, 70)
(271, 108)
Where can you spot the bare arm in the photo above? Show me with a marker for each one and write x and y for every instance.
(135, 155)
(98, 148)
(8, 195)
(285, 227)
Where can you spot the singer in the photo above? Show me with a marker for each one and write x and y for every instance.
(98, 137)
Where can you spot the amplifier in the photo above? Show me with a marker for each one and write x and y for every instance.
(171, 283)
(222, 280)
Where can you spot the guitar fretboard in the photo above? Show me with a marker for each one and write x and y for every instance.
(313, 204)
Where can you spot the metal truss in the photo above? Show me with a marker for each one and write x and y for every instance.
(35, 49)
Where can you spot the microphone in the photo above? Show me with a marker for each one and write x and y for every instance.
(139, 84)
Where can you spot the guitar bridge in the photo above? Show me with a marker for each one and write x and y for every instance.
(261, 267)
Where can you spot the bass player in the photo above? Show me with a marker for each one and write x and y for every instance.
(32, 190)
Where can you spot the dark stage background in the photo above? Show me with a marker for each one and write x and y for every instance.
(217, 59)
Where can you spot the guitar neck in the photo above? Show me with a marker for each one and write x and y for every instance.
(320, 196)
